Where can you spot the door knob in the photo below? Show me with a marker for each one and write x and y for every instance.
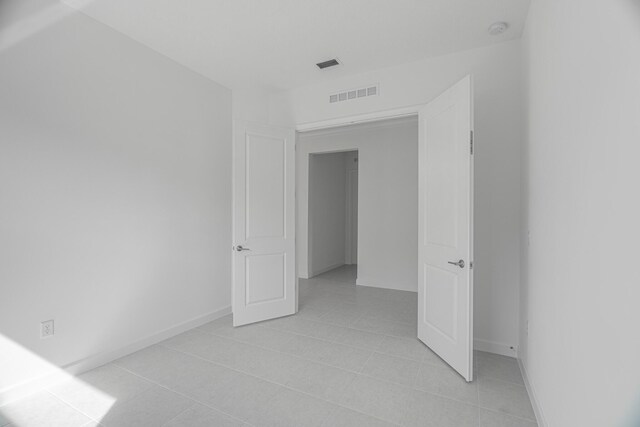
(459, 263)
(239, 248)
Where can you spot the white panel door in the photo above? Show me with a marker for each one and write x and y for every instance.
(445, 227)
(264, 277)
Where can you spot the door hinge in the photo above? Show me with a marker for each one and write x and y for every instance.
(471, 141)
(471, 264)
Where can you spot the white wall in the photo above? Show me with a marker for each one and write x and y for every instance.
(327, 211)
(387, 199)
(115, 184)
(497, 81)
(581, 286)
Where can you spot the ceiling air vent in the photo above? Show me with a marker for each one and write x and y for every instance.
(350, 94)
(327, 64)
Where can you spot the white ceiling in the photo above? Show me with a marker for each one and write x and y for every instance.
(275, 43)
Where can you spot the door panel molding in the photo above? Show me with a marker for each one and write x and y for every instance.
(445, 227)
(264, 276)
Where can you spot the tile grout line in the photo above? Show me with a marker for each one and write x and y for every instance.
(331, 293)
(360, 371)
(184, 395)
(325, 339)
(508, 414)
(333, 366)
(59, 399)
(308, 394)
(500, 380)
(376, 350)
(292, 333)
(181, 412)
(250, 375)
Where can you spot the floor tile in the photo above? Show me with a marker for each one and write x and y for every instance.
(444, 381)
(497, 367)
(390, 368)
(385, 327)
(504, 397)
(356, 338)
(42, 409)
(320, 380)
(291, 409)
(302, 326)
(256, 335)
(346, 274)
(150, 408)
(261, 362)
(244, 397)
(343, 417)
(349, 358)
(496, 419)
(95, 392)
(441, 412)
(405, 406)
(396, 311)
(216, 349)
(340, 318)
(201, 416)
(310, 312)
(408, 348)
(178, 371)
(334, 354)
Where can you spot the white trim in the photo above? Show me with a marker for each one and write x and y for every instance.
(368, 283)
(347, 129)
(535, 403)
(325, 269)
(359, 118)
(83, 365)
(495, 347)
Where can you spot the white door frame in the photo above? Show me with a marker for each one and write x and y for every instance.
(302, 174)
(351, 176)
(394, 113)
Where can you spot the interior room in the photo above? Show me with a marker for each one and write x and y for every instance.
(333, 213)
(336, 213)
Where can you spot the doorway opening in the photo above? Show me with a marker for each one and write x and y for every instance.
(333, 215)
(271, 225)
(357, 204)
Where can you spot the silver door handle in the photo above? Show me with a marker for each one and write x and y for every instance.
(459, 263)
(239, 248)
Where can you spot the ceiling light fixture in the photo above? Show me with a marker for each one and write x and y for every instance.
(498, 28)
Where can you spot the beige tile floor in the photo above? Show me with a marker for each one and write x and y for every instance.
(348, 358)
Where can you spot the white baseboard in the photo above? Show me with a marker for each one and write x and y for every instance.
(325, 269)
(369, 283)
(535, 403)
(86, 364)
(495, 347)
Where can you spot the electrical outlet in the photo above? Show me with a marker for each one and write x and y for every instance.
(46, 329)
